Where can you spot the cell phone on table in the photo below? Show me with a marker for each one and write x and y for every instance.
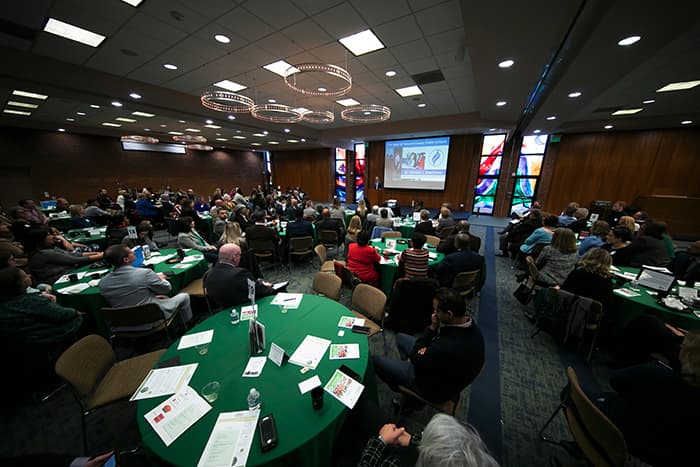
(268, 432)
(360, 329)
(351, 373)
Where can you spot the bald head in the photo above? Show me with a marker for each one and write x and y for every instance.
(230, 253)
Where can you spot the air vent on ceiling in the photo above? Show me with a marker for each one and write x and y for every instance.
(428, 77)
(607, 109)
(17, 30)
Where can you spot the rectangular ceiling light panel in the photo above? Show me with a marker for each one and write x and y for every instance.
(230, 85)
(627, 112)
(409, 91)
(32, 95)
(679, 86)
(73, 33)
(362, 42)
(280, 67)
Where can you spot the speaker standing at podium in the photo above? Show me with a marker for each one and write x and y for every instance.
(378, 185)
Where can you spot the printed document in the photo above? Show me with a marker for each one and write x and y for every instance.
(174, 416)
(310, 352)
(344, 388)
(164, 381)
(230, 440)
(192, 340)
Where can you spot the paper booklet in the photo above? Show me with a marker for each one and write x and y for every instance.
(164, 381)
(310, 352)
(288, 300)
(348, 322)
(175, 415)
(344, 351)
(230, 439)
(344, 388)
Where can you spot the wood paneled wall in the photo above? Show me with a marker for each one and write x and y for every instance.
(77, 166)
(311, 169)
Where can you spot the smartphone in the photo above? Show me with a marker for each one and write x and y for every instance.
(112, 461)
(351, 373)
(360, 329)
(268, 432)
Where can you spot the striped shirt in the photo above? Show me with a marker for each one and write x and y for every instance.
(415, 262)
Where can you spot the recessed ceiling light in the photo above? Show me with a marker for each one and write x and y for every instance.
(303, 140)
(409, 91)
(170, 66)
(537, 131)
(231, 117)
(134, 95)
(133, 3)
(607, 127)
(322, 89)
(182, 121)
(280, 67)
(82, 114)
(175, 133)
(115, 125)
(506, 64)
(627, 111)
(163, 125)
(551, 117)
(362, 42)
(230, 85)
(117, 104)
(422, 104)
(292, 140)
(213, 127)
(221, 38)
(240, 137)
(629, 40)
(679, 86)
(94, 106)
(193, 130)
(209, 122)
(272, 101)
(33, 95)
(648, 101)
(61, 130)
(259, 135)
(143, 114)
(73, 33)
(218, 134)
(501, 103)
(367, 113)
(492, 129)
(273, 142)
(238, 131)
(390, 73)
(126, 120)
(222, 139)
(287, 130)
(255, 144)
(348, 102)
(69, 119)
(17, 112)
(265, 132)
(146, 129)
(26, 105)
(574, 94)
(686, 122)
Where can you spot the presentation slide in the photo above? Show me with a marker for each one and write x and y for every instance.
(416, 164)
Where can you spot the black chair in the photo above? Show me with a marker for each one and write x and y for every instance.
(411, 304)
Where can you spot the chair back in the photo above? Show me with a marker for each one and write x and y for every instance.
(133, 315)
(391, 234)
(599, 439)
(84, 364)
(466, 282)
(327, 285)
(261, 247)
(378, 231)
(531, 268)
(321, 253)
(411, 304)
(446, 232)
(329, 238)
(368, 226)
(432, 240)
(370, 301)
(301, 245)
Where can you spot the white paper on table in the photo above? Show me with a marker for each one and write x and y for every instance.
(74, 289)
(175, 415)
(626, 293)
(614, 268)
(99, 271)
(192, 259)
(230, 439)
(64, 278)
(626, 275)
(157, 259)
(249, 312)
(94, 283)
(348, 322)
(276, 354)
(308, 384)
(181, 266)
(164, 381)
(192, 340)
(254, 367)
(344, 351)
(97, 231)
(687, 293)
(656, 268)
(344, 388)
(383, 260)
(310, 352)
(288, 300)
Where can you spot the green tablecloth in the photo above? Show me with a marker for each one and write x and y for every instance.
(96, 235)
(389, 272)
(62, 222)
(305, 435)
(90, 301)
(406, 228)
(630, 308)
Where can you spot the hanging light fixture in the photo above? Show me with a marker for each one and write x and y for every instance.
(340, 77)
(366, 113)
(229, 102)
(276, 113)
(199, 147)
(189, 139)
(139, 139)
(319, 116)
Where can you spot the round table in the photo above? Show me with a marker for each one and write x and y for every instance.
(389, 271)
(88, 235)
(90, 301)
(305, 435)
(630, 308)
(406, 228)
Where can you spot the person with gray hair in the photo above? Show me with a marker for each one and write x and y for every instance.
(462, 260)
(444, 442)
(374, 215)
(425, 226)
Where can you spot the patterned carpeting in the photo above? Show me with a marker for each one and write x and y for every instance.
(508, 404)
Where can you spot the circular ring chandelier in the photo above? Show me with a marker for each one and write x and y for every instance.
(276, 113)
(223, 101)
(189, 139)
(139, 139)
(199, 147)
(366, 113)
(301, 69)
(319, 116)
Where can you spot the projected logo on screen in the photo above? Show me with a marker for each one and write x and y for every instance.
(436, 158)
(416, 163)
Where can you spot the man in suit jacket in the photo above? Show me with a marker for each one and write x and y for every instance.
(425, 226)
(447, 244)
(463, 260)
(326, 223)
(300, 227)
(227, 284)
(129, 286)
(259, 231)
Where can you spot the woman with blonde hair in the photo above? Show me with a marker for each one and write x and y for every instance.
(557, 260)
(233, 234)
(362, 210)
(354, 227)
(628, 221)
(596, 239)
(592, 277)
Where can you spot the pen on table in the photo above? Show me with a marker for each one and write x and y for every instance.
(288, 299)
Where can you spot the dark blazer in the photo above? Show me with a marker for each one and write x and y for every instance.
(447, 244)
(425, 228)
(227, 285)
(326, 223)
(300, 228)
(257, 232)
(454, 263)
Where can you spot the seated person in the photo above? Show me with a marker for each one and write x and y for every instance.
(191, 239)
(384, 220)
(686, 265)
(361, 210)
(628, 222)
(47, 260)
(616, 240)
(241, 214)
(326, 223)
(259, 232)
(616, 212)
(354, 227)
(447, 244)
(462, 260)
(337, 212)
(581, 222)
(9, 246)
(596, 239)
(374, 215)
(445, 222)
(78, 219)
(567, 216)
(540, 235)
(33, 214)
(117, 229)
(592, 277)
(512, 237)
(148, 210)
(557, 260)
(309, 211)
(144, 236)
(103, 199)
(300, 227)
(647, 249)
(95, 213)
(220, 222)
(425, 226)
(437, 368)
(414, 260)
(227, 283)
(128, 286)
(363, 260)
(200, 205)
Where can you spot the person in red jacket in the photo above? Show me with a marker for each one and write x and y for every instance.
(363, 260)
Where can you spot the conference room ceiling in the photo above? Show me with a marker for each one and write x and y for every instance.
(558, 47)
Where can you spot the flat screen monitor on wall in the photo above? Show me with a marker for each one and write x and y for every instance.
(416, 164)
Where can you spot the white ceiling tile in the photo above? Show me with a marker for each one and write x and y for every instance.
(375, 12)
(202, 48)
(417, 5)
(312, 7)
(398, 31)
(421, 66)
(411, 51)
(341, 21)
(100, 17)
(183, 17)
(245, 24)
(307, 35)
(276, 13)
(440, 18)
(279, 45)
(379, 61)
(59, 48)
(447, 42)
